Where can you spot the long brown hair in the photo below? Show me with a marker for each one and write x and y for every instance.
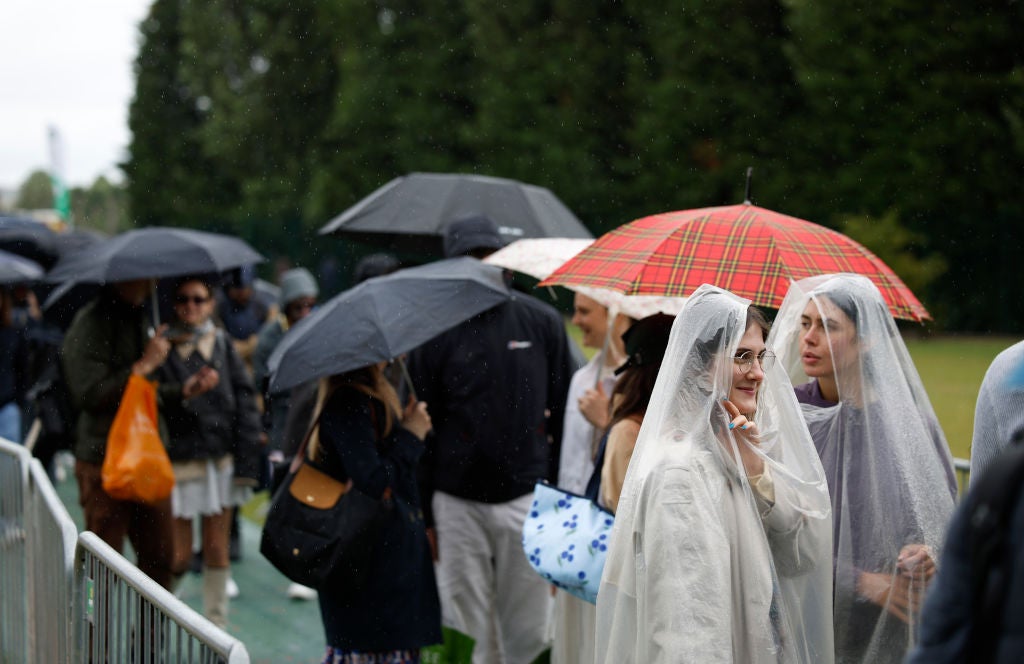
(368, 380)
(634, 389)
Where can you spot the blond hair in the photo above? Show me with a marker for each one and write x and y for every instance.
(368, 380)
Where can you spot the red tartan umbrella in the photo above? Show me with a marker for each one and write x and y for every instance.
(748, 250)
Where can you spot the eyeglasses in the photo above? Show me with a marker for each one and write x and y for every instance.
(194, 299)
(745, 361)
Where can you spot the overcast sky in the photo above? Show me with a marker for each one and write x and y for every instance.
(66, 63)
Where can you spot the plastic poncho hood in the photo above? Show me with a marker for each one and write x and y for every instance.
(888, 467)
(702, 568)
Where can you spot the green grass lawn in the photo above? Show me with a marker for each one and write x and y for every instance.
(952, 368)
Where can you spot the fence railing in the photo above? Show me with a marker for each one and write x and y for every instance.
(963, 473)
(52, 538)
(126, 616)
(67, 597)
(14, 610)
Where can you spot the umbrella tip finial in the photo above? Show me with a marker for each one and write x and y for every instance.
(750, 174)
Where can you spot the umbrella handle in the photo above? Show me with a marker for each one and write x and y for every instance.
(407, 378)
(155, 307)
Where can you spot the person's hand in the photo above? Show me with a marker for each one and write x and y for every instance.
(594, 406)
(154, 354)
(201, 381)
(416, 419)
(747, 438)
(899, 595)
(916, 562)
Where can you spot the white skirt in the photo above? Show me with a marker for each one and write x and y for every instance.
(206, 488)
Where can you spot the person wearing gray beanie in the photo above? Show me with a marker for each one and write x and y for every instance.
(299, 292)
(297, 283)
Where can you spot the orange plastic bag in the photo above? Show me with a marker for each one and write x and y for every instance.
(136, 466)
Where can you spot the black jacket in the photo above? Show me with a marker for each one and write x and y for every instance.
(398, 607)
(495, 387)
(13, 364)
(224, 420)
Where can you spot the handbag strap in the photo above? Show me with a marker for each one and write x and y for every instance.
(300, 455)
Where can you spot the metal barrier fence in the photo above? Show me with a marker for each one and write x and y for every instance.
(66, 597)
(963, 473)
(51, 549)
(14, 629)
(126, 616)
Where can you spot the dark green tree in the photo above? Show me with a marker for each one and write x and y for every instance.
(170, 181)
(713, 93)
(404, 99)
(917, 109)
(550, 99)
(267, 69)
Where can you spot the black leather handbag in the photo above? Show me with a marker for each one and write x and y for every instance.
(319, 530)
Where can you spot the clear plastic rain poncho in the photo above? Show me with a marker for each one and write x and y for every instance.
(889, 470)
(702, 568)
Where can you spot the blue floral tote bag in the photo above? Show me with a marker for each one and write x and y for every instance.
(565, 538)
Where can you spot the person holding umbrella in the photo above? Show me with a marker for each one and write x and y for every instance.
(362, 433)
(888, 466)
(109, 339)
(214, 442)
(497, 387)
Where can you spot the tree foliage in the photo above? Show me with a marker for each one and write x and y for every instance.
(101, 207)
(36, 192)
(170, 179)
(898, 122)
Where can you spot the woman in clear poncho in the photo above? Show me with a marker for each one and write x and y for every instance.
(720, 550)
(889, 470)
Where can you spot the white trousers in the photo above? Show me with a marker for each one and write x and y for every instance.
(575, 630)
(488, 589)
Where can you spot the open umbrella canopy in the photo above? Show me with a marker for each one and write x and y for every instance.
(152, 253)
(384, 317)
(421, 205)
(748, 250)
(15, 269)
(29, 238)
(539, 257)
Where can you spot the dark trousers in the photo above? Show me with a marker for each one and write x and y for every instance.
(149, 527)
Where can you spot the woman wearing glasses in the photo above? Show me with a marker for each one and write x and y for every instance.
(889, 470)
(214, 439)
(720, 549)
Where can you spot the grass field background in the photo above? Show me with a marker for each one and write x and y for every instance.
(951, 368)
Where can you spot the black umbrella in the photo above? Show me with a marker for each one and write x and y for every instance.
(15, 269)
(152, 253)
(384, 317)
(29, 238)
(421, 205)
